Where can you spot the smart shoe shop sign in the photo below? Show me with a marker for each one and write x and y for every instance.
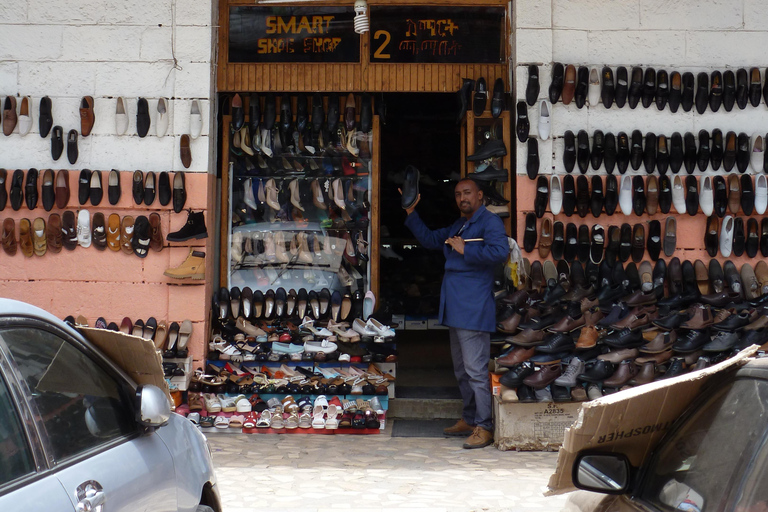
(398, 34)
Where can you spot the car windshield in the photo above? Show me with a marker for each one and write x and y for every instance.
(698, 468)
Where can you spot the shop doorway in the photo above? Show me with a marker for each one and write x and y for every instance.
(418, 129)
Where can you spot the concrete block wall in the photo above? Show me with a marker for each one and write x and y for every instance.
(107, 48)
(684, 35)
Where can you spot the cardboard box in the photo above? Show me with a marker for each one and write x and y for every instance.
(432, 323)
(632, 422)
(415, 323)
(495, 385)
(532, 427)
(398, 322)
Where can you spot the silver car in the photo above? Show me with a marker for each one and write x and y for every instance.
(77, 434)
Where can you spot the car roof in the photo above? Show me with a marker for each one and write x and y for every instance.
(16, 308)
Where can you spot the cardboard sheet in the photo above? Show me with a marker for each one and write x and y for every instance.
(633, 421)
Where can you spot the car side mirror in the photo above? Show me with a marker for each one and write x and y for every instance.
(153, 408)
(608, 473)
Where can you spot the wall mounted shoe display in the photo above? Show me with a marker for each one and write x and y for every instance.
(556, 83)
(622, 86)
(57, 142)
(582, 86)
(72, 151)
(87, 117)
(532, 87)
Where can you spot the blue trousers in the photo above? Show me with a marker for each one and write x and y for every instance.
(471, 351)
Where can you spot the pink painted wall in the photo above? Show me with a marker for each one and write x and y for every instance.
(114, 285)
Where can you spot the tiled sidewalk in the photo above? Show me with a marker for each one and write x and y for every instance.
(375, 473)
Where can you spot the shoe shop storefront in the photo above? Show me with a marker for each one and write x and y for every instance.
(324, 302)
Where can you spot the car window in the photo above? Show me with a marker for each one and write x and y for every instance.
(754, 495)
(15, 455)
(80, 404)
(703, 461)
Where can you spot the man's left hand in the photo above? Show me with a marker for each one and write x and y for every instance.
(457, 243)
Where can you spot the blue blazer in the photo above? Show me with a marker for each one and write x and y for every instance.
(466, 297)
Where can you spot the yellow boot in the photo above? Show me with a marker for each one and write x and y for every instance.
(191, 268)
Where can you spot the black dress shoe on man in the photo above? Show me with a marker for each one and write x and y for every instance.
(480, 99)
(533, 87)
(410, 190)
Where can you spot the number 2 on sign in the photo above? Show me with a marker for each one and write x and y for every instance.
(378, 54)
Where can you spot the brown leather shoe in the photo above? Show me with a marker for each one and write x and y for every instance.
(515, 356)
(617, 356)
(640, 298)
(528, 338)
(62, 188)
(461, 428)
(86, 116)
(702, 277)
(578, 292)
(662, 342)
(651, 195)
(99, 231)
(545, 237)
(9, 236)
(587, 338)
(626, 371)
(156, 233)
(126, 234)
(587, 303)
(568, 324)
(734, 193)
(569, 84)
(578, 394)
(656, 358)
(641, 316)
(9, 115)
(480, 438)
(646, 374)
(544, 377)
(537, 276)
(759, 323)
(185, 152)
(509, 325)
(25, 238)
(593, 315)
(761, 272)
(702, 317)
(53, 233)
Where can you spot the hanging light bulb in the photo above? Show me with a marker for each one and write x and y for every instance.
(361, 17)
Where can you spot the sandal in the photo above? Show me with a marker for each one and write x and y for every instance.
(305, 420)
(293, 421)
(289, 404)
(277, 421)
(331, 422)
(250, 420)
(207, 421)
(227, 404)
(358, 421)
(265, 419)
(194, 402)
(221, 422)
(318, 422)
(212, 403)
(346, 420)
(236, 421)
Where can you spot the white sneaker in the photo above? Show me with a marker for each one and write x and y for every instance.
(707, 197)
(757, 157)
(555, 195)
(678, 194)
(84, 228)
(121, 117)
(594, 87)
(195, 120)
(761, 194)
(726, 236)
(25, 120)
(625, 195)
(544, 119)
(161, 123)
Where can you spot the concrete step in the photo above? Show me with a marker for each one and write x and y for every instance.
(421, 408)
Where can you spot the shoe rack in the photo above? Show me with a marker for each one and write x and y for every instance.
(486, 123)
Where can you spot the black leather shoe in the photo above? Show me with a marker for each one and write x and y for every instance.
(742, 88)
(625, 248)
(764, 237)
(611, 194)
(676, 153)
(149, 187)
(636, 150)
(137, 188)
(675, 91)
(665, 194)
(47, 190)
(46, 118)
(286, 113)
(649, 87)
(318, 112)
(662, 155)
(742, 152)
(608, 89)
(179, 191)
(583, 249)
(523, 125)
(612, 245)
(597, 371)
(692, 341)
(720, 195)
(765, 89)
(659, 276)
(497, 101)
(582, 196)
(638, 195)
(609, 153)
(747, 194)
(739, 240)
(622, 86)
(716, 91)
(556, 85)
(716, 151)
(96, 189)
(649, 153)
(481, 97)
(194, 228)
(72, 151)
(514, 377)
(582, 151)
(635, 87)
(598, 149)
(702, 92)
(654, 239)
(542, 196)
(729, 90)
(569, 151)
(571, 243)
(366, 113)
(163, 189)
(753, 238)
(558, 241)
(569, 195)
(689, 152)
(598, 244)
(638, 243)
(755, 86)
(729, 156)
(691, 195)
(711, 242)
(703, 155)
(493, 148)
(662, 89)
(84, 186)
(625, 338)
(716, 276)
(532, 88)
(582, 85)
(530, 236)
(622, 152)
(556, 342)
(410, 187)
(30, 189)
(143, 121)
(270, 110)
(687, 96)
(57, 142)
(532, 163)
(596, 199)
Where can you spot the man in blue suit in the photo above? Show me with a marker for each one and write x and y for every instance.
(473, 246)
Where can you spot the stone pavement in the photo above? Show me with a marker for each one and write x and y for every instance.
(376, 473)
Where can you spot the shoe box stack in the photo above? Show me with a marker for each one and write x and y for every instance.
(603, 308)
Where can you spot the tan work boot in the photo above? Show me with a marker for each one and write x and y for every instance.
(461, 428)
(191, 268)
(480, 438)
